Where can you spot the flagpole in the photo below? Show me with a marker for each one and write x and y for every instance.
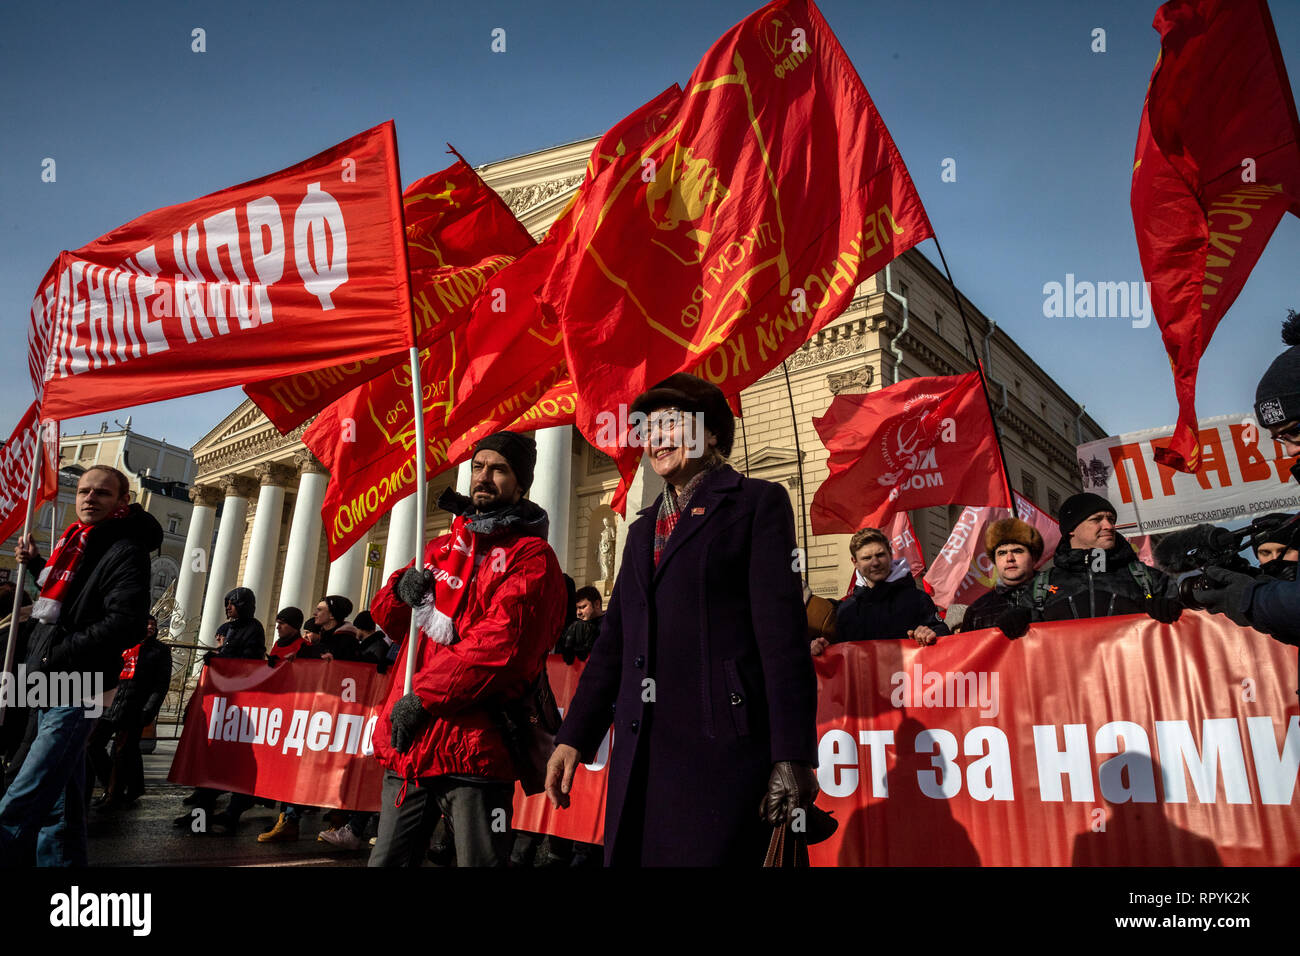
(798, 460)
(979, 367)
(20, 579)
(417, 398)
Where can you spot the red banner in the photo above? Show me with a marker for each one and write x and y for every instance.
(17, 458)
(1115, 741)
(730, 222)
(302, 268)
(1216, 166)
(459, 234)
(925, 441)
(299, 732)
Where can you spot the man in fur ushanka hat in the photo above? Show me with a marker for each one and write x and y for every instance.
(1015, 547)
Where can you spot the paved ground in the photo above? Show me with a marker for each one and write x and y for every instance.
(144, 836)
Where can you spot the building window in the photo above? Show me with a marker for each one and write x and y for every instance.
(173, 524)
(1042, 409)
(1017, 386)
(1028, 486)
(938, 322)
(1053, 502)
(902, 289)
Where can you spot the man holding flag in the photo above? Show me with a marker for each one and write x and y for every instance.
(93, 605)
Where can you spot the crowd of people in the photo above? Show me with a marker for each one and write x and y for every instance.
(702, 661)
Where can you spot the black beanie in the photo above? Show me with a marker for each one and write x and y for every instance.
(340, 607)
(519, 450)
(291, 616)
(1077, 507)
(1277, 399)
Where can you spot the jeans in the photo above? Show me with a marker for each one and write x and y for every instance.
(478, 813)
(43, 813)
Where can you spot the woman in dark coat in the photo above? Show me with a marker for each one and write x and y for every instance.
(702, 660)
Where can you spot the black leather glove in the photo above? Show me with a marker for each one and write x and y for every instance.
(413, 585)
(792, 785)
(1163, 609)
(408, 718)
(1226, 593)
(1014, 622)
(272, 660)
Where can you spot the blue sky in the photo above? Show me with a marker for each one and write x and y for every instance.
(1042, 130)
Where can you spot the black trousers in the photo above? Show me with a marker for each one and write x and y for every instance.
(477, 813)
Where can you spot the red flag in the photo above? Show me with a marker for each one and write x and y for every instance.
(302, 268)
(17, 458)
(925, 441)
(459, 234)
(734, 223)
(1216, 166)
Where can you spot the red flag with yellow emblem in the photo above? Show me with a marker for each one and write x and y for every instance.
(726, 224)
(1217, 165)
(459, 235)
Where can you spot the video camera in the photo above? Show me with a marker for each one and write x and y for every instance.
(1186, 554)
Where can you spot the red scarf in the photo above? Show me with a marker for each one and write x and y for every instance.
(129, 658)
(452, 567)
(56, 576)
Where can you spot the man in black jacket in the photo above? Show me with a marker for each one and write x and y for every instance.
(93, 605)
(145, 679)
(1095, 572)
(886, 604)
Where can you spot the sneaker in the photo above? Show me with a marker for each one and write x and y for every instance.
(343, 838)
(320, 837)
(284, 830)
(193, 799)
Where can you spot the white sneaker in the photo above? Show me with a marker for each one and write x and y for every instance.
(343, 838)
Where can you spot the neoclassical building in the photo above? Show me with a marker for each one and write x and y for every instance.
(257, 494)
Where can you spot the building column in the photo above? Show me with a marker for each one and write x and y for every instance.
(400, 548)
(552, 485)
(346, 572)
(225, 556)
(298, 584)
(264, 542)
(464, 476)
(194, 564)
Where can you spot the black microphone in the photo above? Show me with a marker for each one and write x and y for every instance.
(1177, 553)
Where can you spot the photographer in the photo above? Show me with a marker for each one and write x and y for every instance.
(1268, 604)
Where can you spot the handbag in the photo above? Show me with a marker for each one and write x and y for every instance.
(786, 848)
(821, 615)
(529, 725)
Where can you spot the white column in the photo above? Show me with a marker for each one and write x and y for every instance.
(465, 475)
(345, 573)
(298, 584)
(194, 564)
(264, 542)
(552, 485)
(400, 548)
(225, 556)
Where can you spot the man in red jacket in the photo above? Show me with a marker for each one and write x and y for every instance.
(486, 607)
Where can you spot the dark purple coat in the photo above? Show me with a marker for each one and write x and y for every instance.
(719, 627)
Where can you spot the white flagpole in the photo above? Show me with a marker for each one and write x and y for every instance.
(421, 496)
(21, 579)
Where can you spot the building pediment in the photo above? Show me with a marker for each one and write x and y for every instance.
(766, 458)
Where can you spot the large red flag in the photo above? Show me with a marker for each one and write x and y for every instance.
(459, 234)
(17, 458)
(1217, 165)
(302, 268)
(739, 225)
(925, 441)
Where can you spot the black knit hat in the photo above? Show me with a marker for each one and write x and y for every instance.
(519, 450)
(364, 622)
(692, 394)
(1078, 507)
(1277, 398)
(340, 607)
(291, 616)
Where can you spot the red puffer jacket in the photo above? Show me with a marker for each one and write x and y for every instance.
(513, 613)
